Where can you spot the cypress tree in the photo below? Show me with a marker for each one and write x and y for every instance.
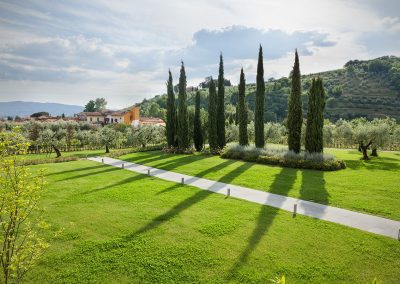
(197, 131)
(259, 107)
(183, 118)
(295, 115)
(315, 117)
(212, 118)
(171, 113)
(221, 105)
(242, 111)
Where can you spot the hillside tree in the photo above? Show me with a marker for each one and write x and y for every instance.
(183, 125)
(242, 111)
(197, 128)
(212, 118)
(315, 117)
(259, 104)
(221, 105)
(171, 113)
(295, 114)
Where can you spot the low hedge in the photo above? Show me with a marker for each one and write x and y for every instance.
(48, 160)
(284, 158)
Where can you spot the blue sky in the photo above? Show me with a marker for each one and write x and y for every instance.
(74, 51)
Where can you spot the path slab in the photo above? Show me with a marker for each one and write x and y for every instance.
(365, 222)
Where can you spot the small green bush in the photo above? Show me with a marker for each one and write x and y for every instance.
(283, 157)
(48, 160)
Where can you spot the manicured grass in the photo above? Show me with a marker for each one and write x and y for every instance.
(366, 186)
(124, 227)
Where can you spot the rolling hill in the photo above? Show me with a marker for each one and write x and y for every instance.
(368, 88)
(21, 108)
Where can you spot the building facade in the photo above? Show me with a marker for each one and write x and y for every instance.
(130, 117)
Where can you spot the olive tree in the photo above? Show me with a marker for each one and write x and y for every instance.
(108, 137)
(20, 219)
(149, 134)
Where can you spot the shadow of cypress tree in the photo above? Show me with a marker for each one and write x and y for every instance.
(264, 221)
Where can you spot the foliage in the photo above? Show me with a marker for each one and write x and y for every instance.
(148, 134)
(221, 105)
(183, 124)
(283, 157)
(90, 106)
(295, 113)
(38, 114)
(315, 117)
(96, 105)
(242, 111)
(206, 83)
(171, 113)
(212, 119)
(259, 105)
(21, 223)
(110, 138)
(197, 128)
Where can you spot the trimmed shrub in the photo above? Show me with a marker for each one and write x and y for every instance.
(283, 157)
(48, 160)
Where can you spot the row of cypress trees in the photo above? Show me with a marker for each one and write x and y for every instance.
(315, 113)
(177, 114)
(177, 127)
(315, 119)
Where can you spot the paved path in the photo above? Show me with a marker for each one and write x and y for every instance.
(365, 222)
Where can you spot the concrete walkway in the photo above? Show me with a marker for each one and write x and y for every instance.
(365, 222)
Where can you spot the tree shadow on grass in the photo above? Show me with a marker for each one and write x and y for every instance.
(313, 187)
(76, 170)
(375, 163)
(265, 219)
(190, 201)
(121, 182)
(171, 213)
(147, 158)
(109, 169)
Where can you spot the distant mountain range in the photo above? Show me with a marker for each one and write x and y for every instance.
(21, 108)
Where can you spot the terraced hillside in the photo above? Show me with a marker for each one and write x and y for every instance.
(360, 89)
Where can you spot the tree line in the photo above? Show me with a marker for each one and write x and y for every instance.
(177, 128)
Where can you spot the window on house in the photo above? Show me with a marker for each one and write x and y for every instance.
(90, 119)
(98, 119)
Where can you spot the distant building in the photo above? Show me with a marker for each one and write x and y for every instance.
(130, 116)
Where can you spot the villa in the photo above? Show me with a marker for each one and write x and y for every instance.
(130, 116)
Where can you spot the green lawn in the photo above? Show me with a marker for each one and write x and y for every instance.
(366, 186)
(124, 227)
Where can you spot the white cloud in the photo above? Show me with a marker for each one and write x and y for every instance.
(74, 51)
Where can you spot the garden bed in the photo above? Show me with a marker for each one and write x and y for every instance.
(283, 157)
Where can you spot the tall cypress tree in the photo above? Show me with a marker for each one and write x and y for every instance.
(183, 118)
(242, 111)
(295, 115)
(197, 131)
(315, 117)
(212, 118)
(221, 105)
(259, 108)
(171, 113)
(320, 118)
